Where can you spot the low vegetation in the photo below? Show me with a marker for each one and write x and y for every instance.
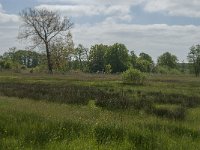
(133, 76)
(84, 111)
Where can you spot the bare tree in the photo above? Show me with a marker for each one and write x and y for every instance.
(42, 27)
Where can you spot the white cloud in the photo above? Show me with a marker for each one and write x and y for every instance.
(95, 2)
(153, 39)
(8, 30)
(5, 18)
(186, 8)
(88, 10)
(73, 10)
(8, 38)
(115, 12)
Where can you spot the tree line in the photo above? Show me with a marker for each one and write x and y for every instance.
(50, 32)
(99, 58)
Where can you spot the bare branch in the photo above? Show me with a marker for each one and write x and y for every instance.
(43, 26)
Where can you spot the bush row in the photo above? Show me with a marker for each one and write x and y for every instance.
(109, 99)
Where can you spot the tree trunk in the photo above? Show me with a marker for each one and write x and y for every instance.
(50, 68)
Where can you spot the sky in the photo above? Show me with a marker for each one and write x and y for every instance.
(150, 26)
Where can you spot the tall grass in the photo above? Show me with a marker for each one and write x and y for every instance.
(30, 129)
(162, 114)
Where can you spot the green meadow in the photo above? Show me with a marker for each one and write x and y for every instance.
(96, 111)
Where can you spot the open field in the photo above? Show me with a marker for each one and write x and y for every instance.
(84, 111)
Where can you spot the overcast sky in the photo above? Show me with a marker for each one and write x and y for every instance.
(150, 26)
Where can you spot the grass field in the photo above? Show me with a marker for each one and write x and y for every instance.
(84, 111)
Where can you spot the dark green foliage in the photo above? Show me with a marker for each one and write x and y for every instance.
(65, 94)
(194, 59)
(108, 98)
(26, 58)
(6, 64)
(102, 55)
(70, 94)
(133, 58)
(82, 57)
(167, 60)
(146, 57)
(144, 65)
(97, 57)
(113, 100)
(144, 103)
(117, 56)
(177, 114)
(29, 59)
(173, 98)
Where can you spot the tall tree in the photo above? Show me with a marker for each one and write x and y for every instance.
(29, 59)
(97, 57)
(168, 60)
(147, 57)
(117, 56)
(133, 59)
(81, 55)
(144, 65)
(42, 27)
(194, 58)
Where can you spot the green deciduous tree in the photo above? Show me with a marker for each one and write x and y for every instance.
(167, 60)
(97, 57)
(194, 58)
(144, 63)
(29, 59)
(133, 59)
(82, 57)
(117, 56)
(147, 57)
(16, 58)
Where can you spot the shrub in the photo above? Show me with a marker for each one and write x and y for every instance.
(133, 76)
(108, 69)
(167, 70)
(161, 70)
(174, 71)
(39, 69)
(7, 64)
